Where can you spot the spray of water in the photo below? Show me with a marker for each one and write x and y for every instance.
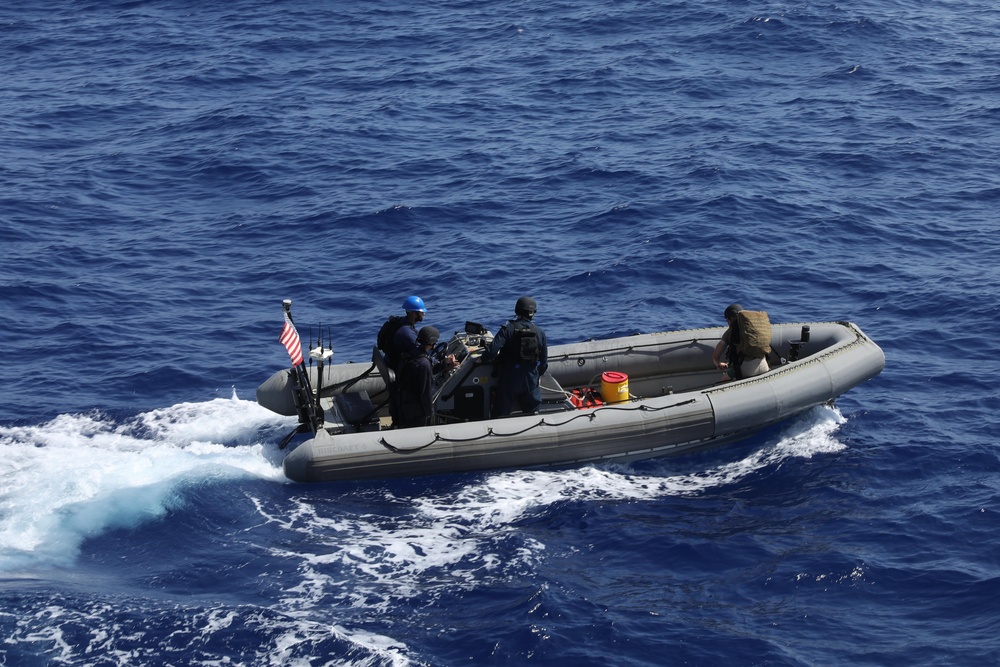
(79, 475)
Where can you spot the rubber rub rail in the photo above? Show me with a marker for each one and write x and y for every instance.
(490, 432)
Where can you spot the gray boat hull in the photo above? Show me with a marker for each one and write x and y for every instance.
(678, 405)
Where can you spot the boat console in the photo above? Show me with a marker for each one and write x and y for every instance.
(463, 392)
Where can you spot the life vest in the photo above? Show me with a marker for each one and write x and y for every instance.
(585, 397)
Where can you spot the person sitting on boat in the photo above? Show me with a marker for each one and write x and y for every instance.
(415, 383)
(742, 362)
(521, 355)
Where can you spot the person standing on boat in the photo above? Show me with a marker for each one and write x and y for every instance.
(521, 354)
(415, 383)
(738, 366)
(398, 335)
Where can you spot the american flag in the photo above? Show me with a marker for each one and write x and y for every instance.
(290, 339)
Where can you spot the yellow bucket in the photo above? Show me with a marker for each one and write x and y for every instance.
(614, 387)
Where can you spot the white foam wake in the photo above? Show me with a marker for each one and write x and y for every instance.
(379, 554)
(505, 497)
(79, 475)
(464, 536)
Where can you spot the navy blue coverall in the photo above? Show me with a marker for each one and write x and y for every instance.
(516, 382)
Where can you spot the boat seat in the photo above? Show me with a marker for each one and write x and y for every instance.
(390, 381)
(383, 368)
(358, 410)
(554, 398)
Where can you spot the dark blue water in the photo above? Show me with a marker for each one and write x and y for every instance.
(172, 170)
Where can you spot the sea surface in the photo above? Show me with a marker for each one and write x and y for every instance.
(171, 170)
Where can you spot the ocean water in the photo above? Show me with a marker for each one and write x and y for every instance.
(172, 170)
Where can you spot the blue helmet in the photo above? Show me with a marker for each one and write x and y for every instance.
(414, 303)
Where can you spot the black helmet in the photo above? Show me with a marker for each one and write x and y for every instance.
(526, 306)
(428, 336)
(732, 309)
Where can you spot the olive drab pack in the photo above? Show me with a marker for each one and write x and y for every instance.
(755, 334)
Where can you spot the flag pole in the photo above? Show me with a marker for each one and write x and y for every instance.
(309, 414)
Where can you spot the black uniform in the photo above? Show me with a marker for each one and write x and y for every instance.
(415, 392)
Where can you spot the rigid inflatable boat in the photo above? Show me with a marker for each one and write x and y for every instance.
(619, 399)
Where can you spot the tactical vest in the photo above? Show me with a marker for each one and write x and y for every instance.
(523, 347)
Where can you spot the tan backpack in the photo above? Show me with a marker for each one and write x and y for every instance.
(755, 334)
